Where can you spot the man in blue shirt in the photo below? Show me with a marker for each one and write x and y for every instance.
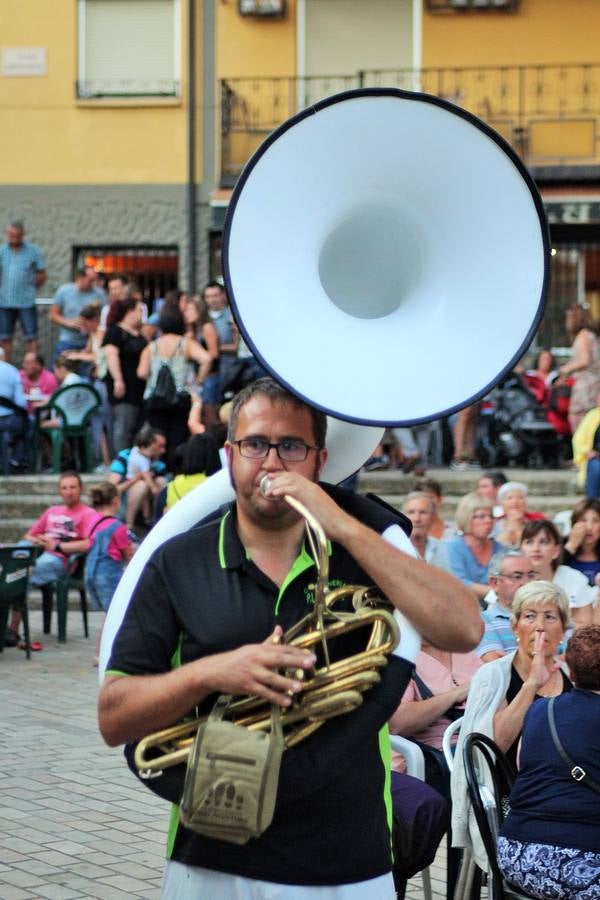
(12, 423)
(509, 570)
(69, 300)
(22, 272)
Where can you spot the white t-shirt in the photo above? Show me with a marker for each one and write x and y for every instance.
(137, 462)
(575, 585)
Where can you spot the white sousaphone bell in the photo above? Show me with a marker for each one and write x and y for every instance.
(386, 256)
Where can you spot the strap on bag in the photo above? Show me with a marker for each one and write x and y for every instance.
(232, 776)
(578, 773)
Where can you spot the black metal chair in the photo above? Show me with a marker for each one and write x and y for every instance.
(481, 752)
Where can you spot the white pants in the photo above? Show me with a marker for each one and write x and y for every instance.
(181, 882)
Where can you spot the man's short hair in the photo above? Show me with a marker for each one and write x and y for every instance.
(497, 478)
(70, 473)
(19, 224)
(212, 284)
(583, 657)
(269, 388)
(495, 566)
(146, 436)
(419, 495)
(428, 485)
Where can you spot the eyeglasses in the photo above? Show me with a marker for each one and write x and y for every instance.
(519, 577)
(258, 448)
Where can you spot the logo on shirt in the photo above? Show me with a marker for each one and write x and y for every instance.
(309, 590)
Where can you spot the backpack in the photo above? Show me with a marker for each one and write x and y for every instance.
(164, 394)
(99, 548)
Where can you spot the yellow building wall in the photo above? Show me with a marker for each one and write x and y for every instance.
(249, 46)
(541, 31)
(49, 137)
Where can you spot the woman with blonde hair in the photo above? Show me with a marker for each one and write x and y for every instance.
(503, 690)
(470, 552)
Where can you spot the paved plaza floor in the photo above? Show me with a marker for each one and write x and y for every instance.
(74, 822)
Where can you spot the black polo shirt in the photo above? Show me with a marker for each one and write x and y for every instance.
(200, 594)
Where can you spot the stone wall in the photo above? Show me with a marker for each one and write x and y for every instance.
(59, 218)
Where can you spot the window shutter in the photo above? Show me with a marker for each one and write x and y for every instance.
(129, 47)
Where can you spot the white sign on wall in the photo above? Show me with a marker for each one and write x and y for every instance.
(24, 61)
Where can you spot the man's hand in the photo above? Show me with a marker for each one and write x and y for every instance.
(119, 388)
(252, 669)
(336, 523)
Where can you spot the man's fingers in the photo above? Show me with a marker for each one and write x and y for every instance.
(275, 638)
(277, 657)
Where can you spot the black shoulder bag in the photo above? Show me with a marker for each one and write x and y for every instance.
(578, 773)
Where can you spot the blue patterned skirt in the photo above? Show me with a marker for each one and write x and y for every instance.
(549, 872)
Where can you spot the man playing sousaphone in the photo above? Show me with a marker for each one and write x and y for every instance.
(201, 622)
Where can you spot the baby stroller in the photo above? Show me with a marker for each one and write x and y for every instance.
(514, 429)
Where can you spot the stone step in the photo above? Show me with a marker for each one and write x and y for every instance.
(543, 482)
(12, 530)
(23, 506)
(39, 484)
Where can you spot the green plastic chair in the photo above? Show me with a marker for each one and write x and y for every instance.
(15, 562)
(73, 578)
(74, 405)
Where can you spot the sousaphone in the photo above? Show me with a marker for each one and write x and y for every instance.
(386, 256)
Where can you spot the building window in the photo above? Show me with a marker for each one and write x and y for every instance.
(154, 270)
(129, 48)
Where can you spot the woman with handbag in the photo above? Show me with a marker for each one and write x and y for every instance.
(165, 367)
(548, 844)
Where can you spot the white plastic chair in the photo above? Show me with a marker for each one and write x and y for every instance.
(447, 744)
(415, 766)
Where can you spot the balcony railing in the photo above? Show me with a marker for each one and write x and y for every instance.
(550, 114)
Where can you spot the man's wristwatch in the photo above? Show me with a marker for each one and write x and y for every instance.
(57, 547)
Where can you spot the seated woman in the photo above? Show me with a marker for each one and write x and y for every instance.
(582, 549)
(503, 690)
(470, 553)
(512, 496)
(434, 697)
(542, 545)
(548, 844)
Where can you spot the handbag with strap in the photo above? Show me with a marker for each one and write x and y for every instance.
(232, 776)
(578, 773)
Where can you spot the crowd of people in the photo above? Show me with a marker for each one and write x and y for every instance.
(506, 603)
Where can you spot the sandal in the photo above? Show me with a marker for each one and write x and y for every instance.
(34, 645)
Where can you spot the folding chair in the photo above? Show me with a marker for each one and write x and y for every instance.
(480, 753)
